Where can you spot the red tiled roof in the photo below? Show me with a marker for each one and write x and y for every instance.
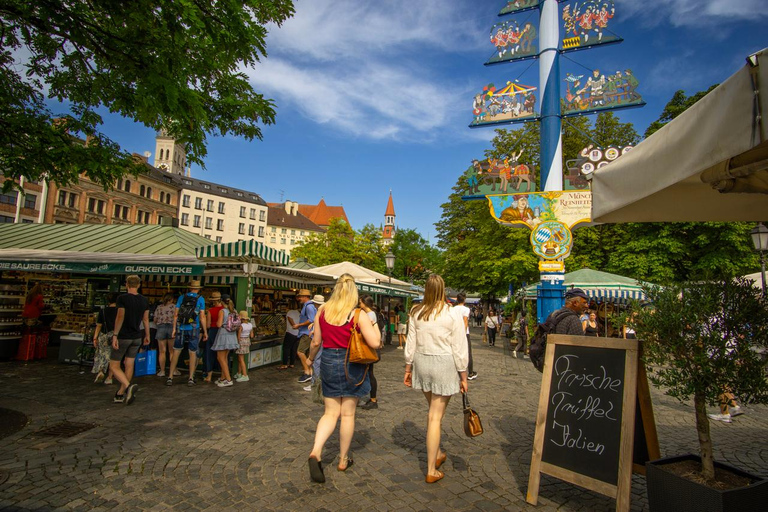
(390, 206)
(321, 214)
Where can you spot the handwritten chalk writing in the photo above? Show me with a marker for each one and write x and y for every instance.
(569, 377)
(590, 409)
(578, 443)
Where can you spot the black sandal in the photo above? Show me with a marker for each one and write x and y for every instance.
(316, 470)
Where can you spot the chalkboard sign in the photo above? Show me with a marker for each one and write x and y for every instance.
(586, 416)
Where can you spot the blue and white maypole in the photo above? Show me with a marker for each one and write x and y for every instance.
(551, 291)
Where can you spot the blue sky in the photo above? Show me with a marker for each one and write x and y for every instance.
(374, 96)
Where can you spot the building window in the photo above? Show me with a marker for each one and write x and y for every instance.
(96, 206)
(120, 184)
(196, 221)
(293, 232)
(162, 196)
(142, 190)
(159, 220)
(142, 217)
(207, 187)
(272, 240)
(221, 207)
(185, 219)
(241, 229)
(302, 233)
(261, 231)
(273, 229)
(293, 242)
(30, 201)
(282, 241)
(210, 205)
(262, 213)
(220, 225)
(127, 185)
(208, 237)
(242, 211)
(27, 221)
(4, 219)
(168, 198)
(209, 223)
(251, 230)
(11, 198)
(223, 190)
(218, 239)
(185, 201)
(198, 203)
(253, 213)
(149, 192)
(121, 212)
(283, 231)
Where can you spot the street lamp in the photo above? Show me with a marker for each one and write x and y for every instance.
(760, 239)
(389, 261)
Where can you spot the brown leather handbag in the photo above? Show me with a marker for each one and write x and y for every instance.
(472, 425)
(358, 350)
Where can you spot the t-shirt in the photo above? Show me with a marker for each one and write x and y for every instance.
(134, 305)
(491, 321)
(308, 312)
(245, 331)
(372, 315)
(164, 314)
(464, 312)
(523, 322)
(107, 318)
(403, 317)
(199, 307)
(293, 315)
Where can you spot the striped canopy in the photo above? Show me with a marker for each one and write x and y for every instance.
(242, 251)
(599, 285)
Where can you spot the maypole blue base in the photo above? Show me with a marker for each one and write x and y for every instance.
(550, 295)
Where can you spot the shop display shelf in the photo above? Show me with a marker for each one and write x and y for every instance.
(8, 296)
(10, 310)
(8, 324)
(10, 337)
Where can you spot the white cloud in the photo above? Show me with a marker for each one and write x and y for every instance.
(693, 12)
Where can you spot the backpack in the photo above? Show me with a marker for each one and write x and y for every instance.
(538, 348)
(232, 322)
(188, 310)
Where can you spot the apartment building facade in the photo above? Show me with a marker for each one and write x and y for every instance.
(287, 227)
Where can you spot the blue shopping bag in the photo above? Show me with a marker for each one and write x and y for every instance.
(145, 363)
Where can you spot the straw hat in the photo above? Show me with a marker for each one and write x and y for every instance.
(319, 300)
(216, 296)
(304, 292)
(244, 315)
(194, 285)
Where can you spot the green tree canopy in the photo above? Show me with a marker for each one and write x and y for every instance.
(335, 245)
(173, 66)
(415, 259)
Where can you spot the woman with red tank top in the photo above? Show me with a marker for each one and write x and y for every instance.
(343, 383)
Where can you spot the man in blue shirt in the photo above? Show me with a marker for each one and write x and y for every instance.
(188, 322)
(306, 318)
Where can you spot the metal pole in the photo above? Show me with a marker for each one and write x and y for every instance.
(389, 309)
(762, 266)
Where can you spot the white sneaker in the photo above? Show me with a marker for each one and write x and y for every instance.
(242, 378)
(176, 373)
(725, 418)
(235, 376)
(161, 373)
(307, 388)
(399, 348)
(736, 411)
(224, 383)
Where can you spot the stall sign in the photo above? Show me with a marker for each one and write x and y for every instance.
(102, 268)
(551, 266)
(530, 210)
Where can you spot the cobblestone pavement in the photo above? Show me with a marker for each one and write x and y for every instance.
(246, 447)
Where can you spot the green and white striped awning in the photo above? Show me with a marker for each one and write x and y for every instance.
(245, 251)
(204, 280)
(602, 286)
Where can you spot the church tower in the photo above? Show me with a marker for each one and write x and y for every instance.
(388, 233)
(170, 156)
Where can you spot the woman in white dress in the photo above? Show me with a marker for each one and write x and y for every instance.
(436, 358)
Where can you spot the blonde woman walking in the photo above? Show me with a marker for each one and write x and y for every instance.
(343, 383)
(436, 358)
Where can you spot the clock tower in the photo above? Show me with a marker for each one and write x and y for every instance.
(170, 155)
(388, 232)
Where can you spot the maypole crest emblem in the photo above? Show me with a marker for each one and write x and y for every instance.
(552, 240)
(514, 102)
(589, 160)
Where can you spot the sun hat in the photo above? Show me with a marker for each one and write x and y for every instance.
(194, 284)
(319, 300)
(304, 292)
(244, 315)
(216, 296)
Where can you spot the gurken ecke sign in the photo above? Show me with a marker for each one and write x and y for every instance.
(585, 425)
(102, 268)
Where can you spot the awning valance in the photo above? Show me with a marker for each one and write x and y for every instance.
(245, 251)
(598, 285)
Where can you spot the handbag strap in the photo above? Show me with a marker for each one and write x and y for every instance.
(465, 400)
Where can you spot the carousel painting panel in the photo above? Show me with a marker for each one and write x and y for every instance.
(512, 103)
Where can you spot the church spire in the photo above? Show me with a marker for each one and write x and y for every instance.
(388, 233)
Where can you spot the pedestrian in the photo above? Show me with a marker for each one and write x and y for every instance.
(318, 300)
(436, 357)
(102, 337)
(132, 312)
(402, 325)
(306, 318)
(479, 317)
(33, 306)
(491, 325)
(590, 326)
(291, 338)
(226, 339)
(244, 337)
(522, 334)
(212, 321)
(465, 314)
(343, 383)
(566, 319)
(189, 327)
(164, 321)
(367, 305)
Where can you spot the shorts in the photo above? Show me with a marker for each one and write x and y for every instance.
(189, 336)
(304, 343)
(164, 332)
(402, 329)
(245, 346)
(125, 348)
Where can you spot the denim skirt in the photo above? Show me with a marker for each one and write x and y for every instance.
(334, 378)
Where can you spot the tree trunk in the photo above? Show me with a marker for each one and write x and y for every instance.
(705, 441)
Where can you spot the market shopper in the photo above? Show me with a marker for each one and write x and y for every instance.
(465, 314)
(590, 326)
(102, 338)
(566, 319)
(212, 320)
(132, 314)
(318, 300)
(401, 319)
(306, 318)
(436, 360)
(343, 383)
(291, 339)
(225, 341)
(189, 327)
(244, 337)
(491, 326)
(164, 321)
(33, 306)
(522, 335)
(367, 305)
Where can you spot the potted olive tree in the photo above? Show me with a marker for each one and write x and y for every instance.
(700, 341)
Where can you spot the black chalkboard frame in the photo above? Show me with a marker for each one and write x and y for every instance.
(620, 491)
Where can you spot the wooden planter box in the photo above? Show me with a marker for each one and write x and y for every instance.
(670, 492)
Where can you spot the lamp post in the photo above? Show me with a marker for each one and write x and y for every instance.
(389, 260)
(760, 239)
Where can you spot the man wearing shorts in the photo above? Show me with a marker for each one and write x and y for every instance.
(188, 331)
(306, 317)
(132, 311)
